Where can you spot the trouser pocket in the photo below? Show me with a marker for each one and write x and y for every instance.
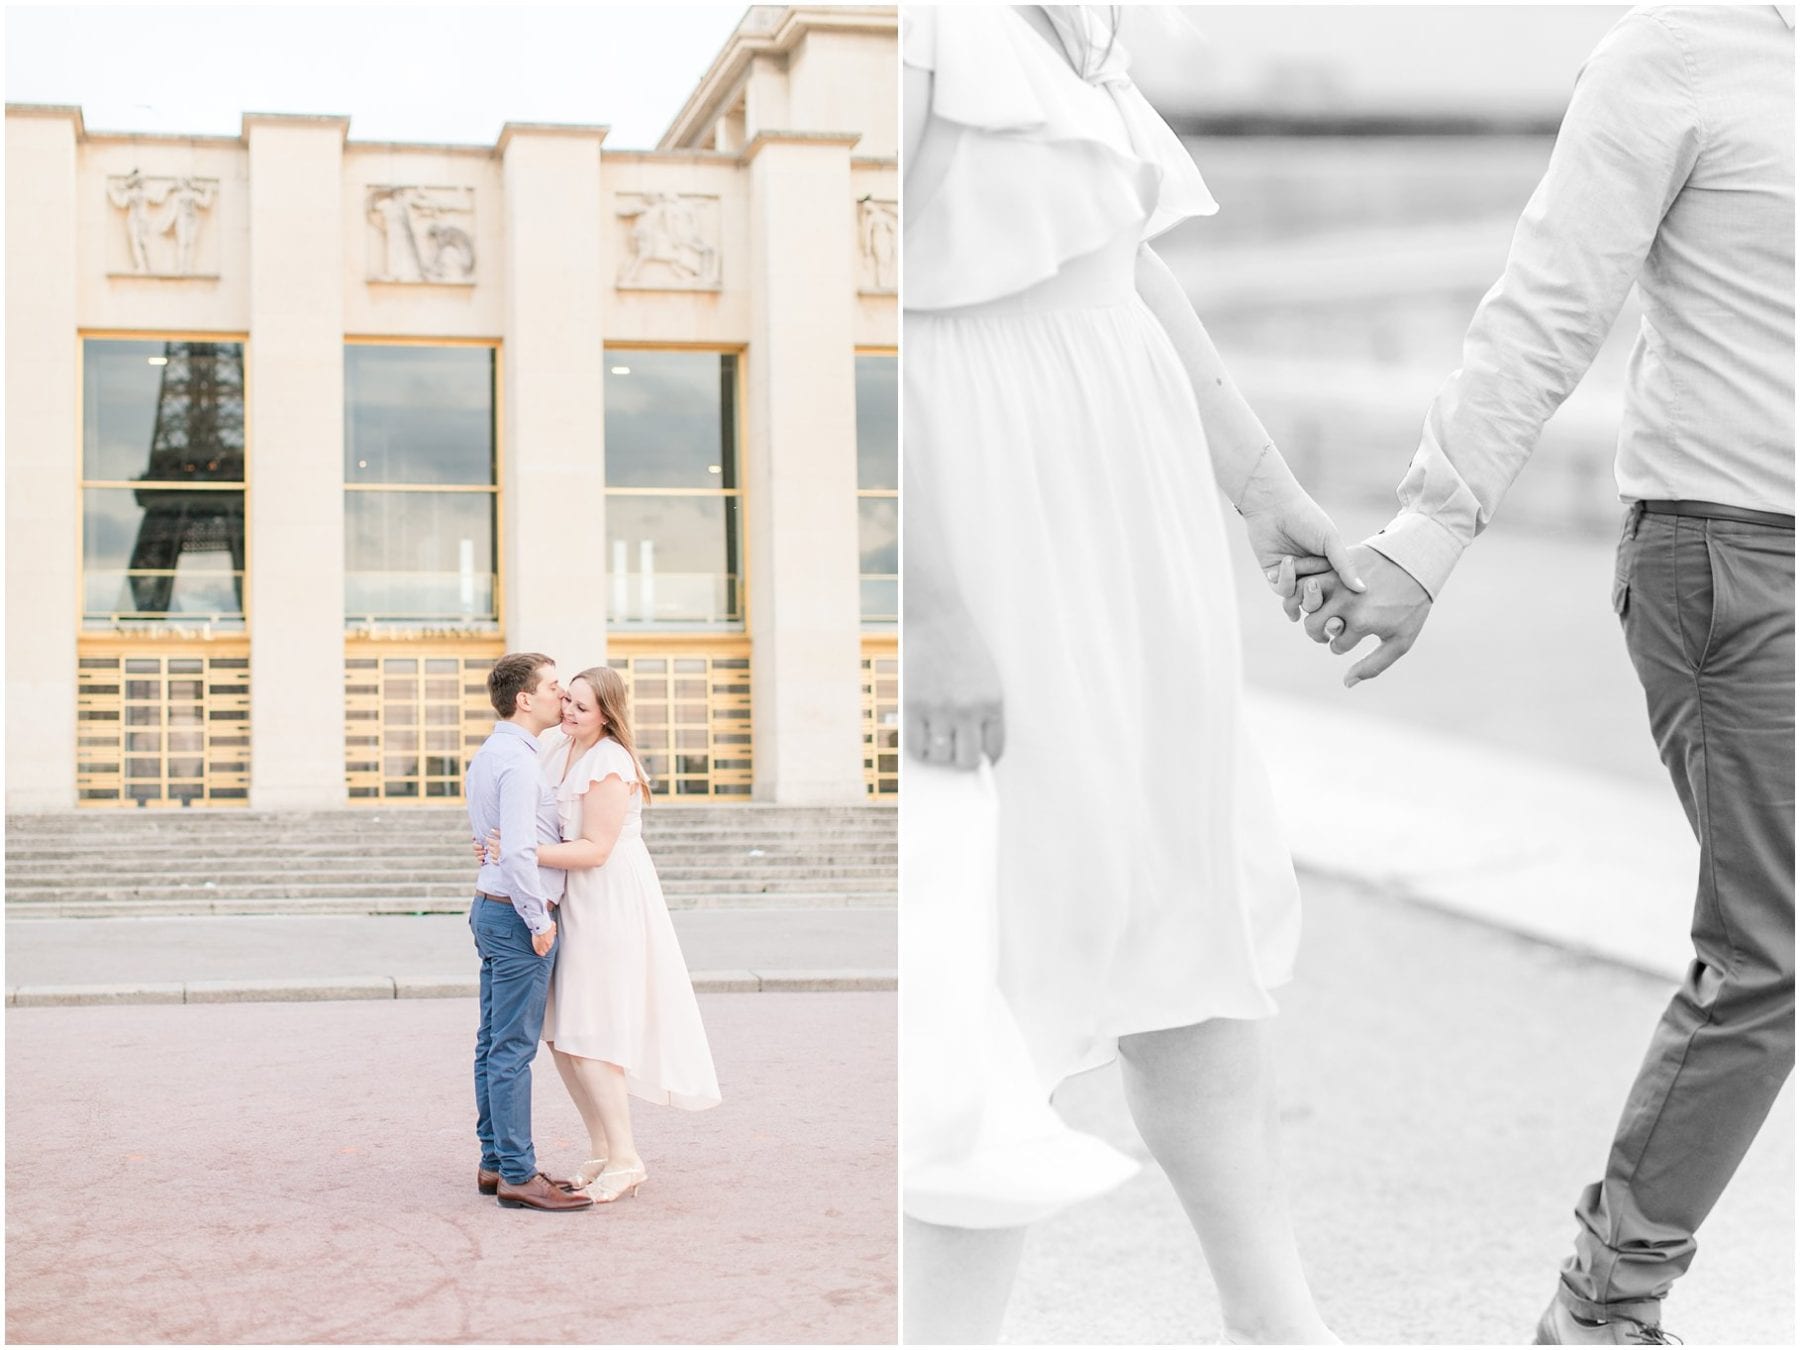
(1696, 591)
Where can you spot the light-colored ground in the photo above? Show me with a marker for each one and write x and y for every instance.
(120, 951)
(1446, 1092)
(305, 1172)
(1522, 652)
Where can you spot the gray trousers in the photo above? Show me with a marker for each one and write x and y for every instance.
(1708, 612)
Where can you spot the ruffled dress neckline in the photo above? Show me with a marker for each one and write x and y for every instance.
(1030, 166)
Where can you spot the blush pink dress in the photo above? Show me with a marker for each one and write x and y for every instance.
(619, 990)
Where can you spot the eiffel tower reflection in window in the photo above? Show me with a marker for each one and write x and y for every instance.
(198, 437)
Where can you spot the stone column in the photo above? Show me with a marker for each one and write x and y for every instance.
(553, 492)
(294, 378)
(43, 457)
(800, 470)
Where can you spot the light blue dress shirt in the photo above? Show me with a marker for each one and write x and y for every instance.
(504, 790)
(1674, 169)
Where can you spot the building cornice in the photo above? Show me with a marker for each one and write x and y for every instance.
(728, 158)
(767, 138)
(419, 148)
(766, 31)
(320, 121)
(573, 130)
(67, 112)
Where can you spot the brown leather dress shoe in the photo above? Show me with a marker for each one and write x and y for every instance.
(485, 1181)
(540, 1193)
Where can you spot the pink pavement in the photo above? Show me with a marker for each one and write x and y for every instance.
(306, 1172)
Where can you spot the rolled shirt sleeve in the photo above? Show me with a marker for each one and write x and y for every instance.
(1628, 142)
(519, 843)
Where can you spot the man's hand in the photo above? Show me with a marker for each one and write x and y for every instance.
(953, 701)
(541, 943)
(1393, 608)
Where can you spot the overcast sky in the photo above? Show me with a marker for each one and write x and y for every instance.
(437, 73)
(449, 73)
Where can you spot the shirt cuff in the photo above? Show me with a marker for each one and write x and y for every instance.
(1420, 545)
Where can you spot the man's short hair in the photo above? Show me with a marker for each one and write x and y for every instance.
(514, 674)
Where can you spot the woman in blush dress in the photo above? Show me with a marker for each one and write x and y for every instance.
(622, 1019)
(1092, 866)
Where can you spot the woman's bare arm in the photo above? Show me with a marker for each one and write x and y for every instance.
(602, 818)
(1288, 531)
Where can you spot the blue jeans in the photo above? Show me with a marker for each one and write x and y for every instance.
(514, 983)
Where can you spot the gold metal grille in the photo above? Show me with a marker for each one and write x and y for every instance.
(881, 716)
(690, 715)
(413, 715)
(166, 727)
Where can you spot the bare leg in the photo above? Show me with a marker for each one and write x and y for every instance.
(584, 1103)
(957, 1282)
(605, 1085)
(1204, 1101)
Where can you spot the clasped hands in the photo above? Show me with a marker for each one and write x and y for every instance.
(1389, 605)
(1343, 595)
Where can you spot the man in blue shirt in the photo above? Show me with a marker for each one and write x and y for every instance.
(513, 929)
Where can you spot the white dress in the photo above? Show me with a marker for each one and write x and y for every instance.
(1139, 879)
(619, 990)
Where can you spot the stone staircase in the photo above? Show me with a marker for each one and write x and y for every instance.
(415, 860)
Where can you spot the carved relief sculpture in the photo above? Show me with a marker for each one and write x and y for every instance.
(878, 234)
(421, 234)
(671, 242)
(183, 203)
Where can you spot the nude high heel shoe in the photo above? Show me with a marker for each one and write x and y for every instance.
(613, 1185)
(585, 1175)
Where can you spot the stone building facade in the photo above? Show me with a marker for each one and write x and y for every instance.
(302, 432)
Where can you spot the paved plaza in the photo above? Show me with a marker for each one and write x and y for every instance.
(1446, 1091)
(270, 1172)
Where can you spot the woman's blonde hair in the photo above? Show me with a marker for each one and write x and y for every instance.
(615, 714)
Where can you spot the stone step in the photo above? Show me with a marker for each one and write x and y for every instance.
(54, 864)
(391, 841)
(179, 908)
(338, 878)
(20, 849)
(747, 816)
(365, 884)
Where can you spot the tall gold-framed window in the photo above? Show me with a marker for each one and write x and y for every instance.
(162, 484)
(421, 563)
(415, 713)
(163, 658)
(421, 485)
(674, 522)
(878, 487)
(690, 712)
(881, 714)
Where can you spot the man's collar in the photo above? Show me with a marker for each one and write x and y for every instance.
(1787, 15)
(502, 727)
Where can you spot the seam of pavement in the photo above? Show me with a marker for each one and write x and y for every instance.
(411, 986)
(1581, 860)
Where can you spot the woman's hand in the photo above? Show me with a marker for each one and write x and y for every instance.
(954, 707)
(1291, 536)
(480, 850)
(492, 850)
